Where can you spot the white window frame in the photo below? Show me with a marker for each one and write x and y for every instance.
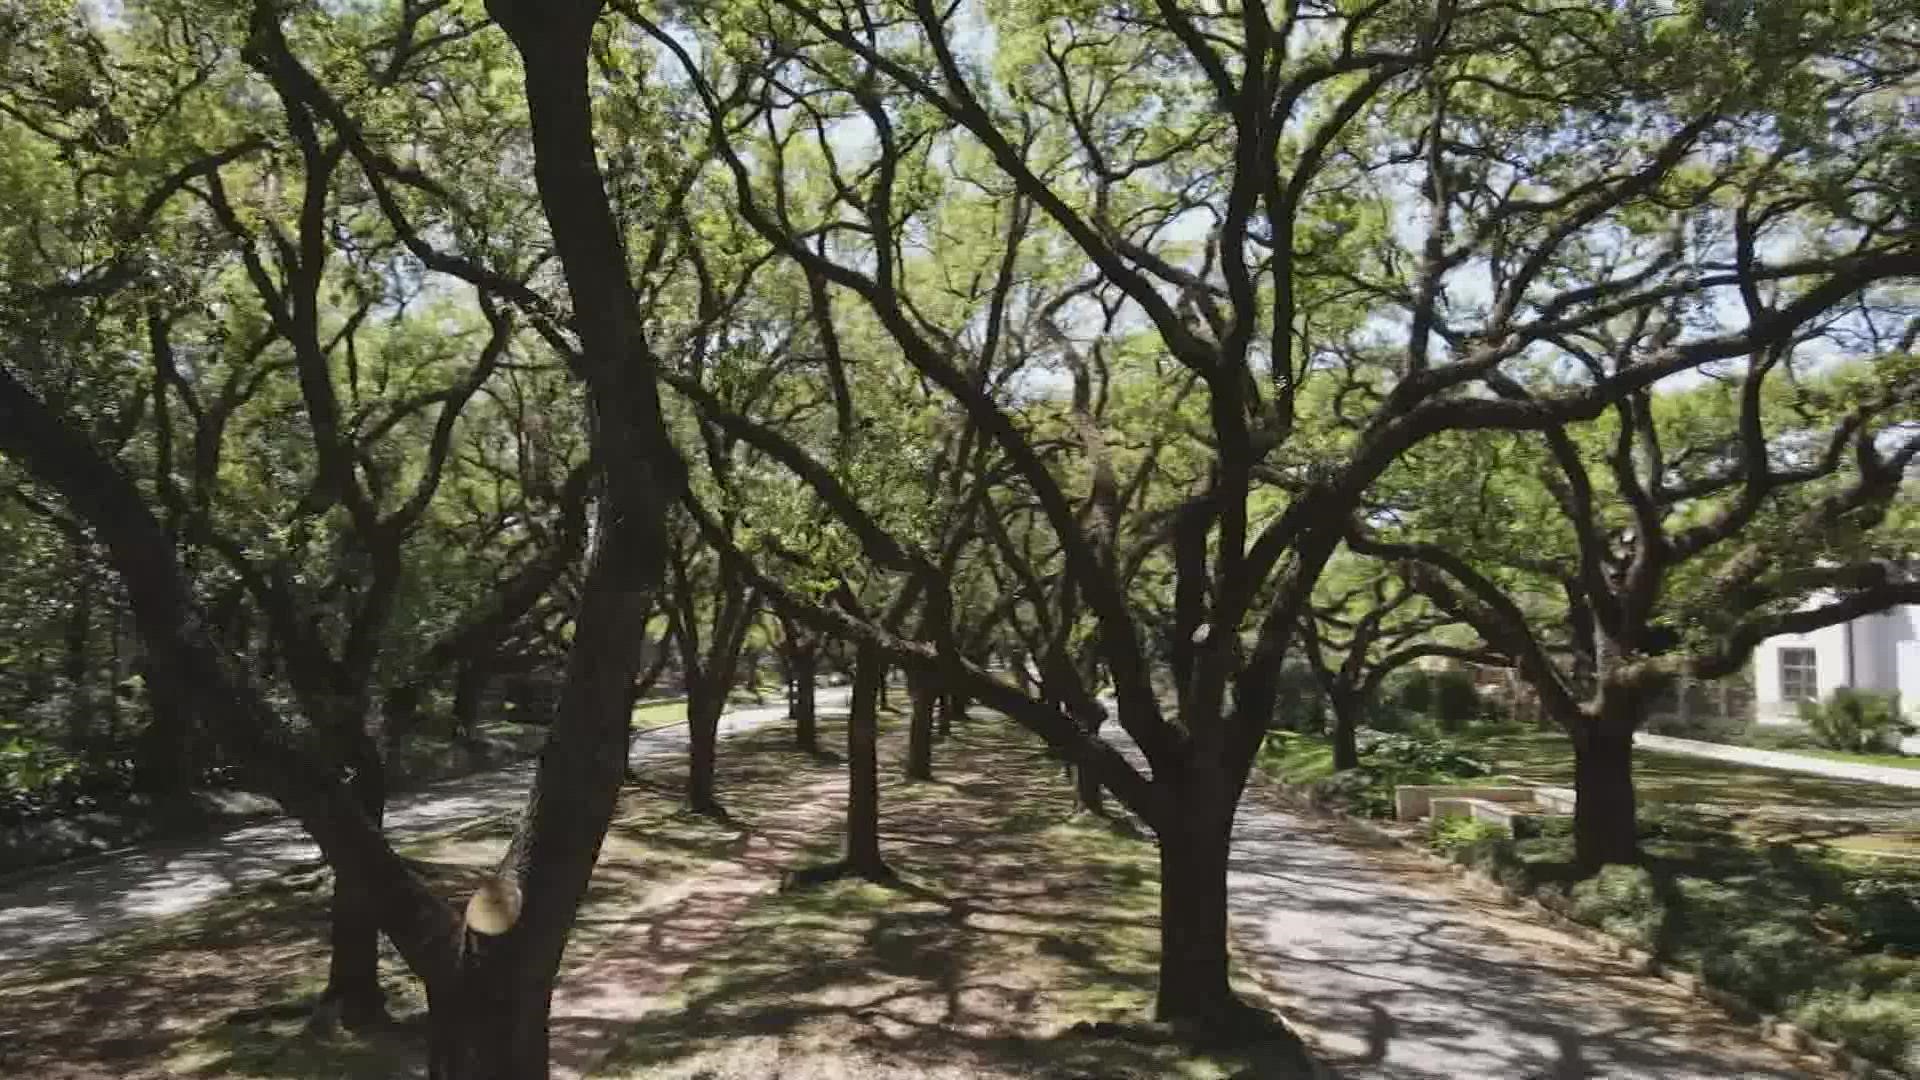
(1799, 669)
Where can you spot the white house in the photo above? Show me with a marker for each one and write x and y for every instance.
(1873, 652)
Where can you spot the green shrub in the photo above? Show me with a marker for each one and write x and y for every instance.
(1885, 912)
(1411, 690)
(1447, 696)
(1402, 753)
(1450, 836)
(1857, 721)
(1763, 960)
(1299, 703)
(1778, 738)
(1456, 700)
(1884, 1027)
(1622, 901)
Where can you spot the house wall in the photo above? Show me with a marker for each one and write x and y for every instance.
(1886, 656)
(1829, 644)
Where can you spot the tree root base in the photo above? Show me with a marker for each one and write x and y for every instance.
(815, 876)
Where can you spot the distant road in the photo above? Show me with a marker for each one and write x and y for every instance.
(97, 897)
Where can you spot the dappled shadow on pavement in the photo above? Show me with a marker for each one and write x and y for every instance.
(1013, 921)
(158, 999)
(64, 905)
(1395, 969)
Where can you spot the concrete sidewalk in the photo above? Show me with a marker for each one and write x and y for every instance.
(98, 897)
(1393, 968)
(1890, 775)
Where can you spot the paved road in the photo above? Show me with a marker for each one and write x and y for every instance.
(1891, 775)
(1392, 968)
(105, 896)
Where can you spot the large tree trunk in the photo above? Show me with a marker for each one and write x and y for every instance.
(641, 476)
(747, 674)
(469, 687)
(863, 767)
(1088, 794)
(953, 707)
(920, 728)
(353, 995)
(1346, 726)
(165, 758)
(804, 668)
(1193, 904)
(1604, 830)
(706, 700)
(80, 720)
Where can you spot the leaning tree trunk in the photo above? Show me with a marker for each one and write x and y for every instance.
(804, 667)
(706, 700)
(1194, 843)
(863, 767)
(1346, 727)
(920, 727)
(1604, 829)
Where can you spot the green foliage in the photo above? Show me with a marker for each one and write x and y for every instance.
(1300, 705)
(1830, 943)
(1884, 912)
(1882, 1027)
(1446, 695)
(1387, 760)
(1621, 900)
(1854, 720)
(1453, 835)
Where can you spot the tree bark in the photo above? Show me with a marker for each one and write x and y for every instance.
(1193, 984)
(1088, 793)
(164, 755)
(863, 766)
(353, 993)
(469, 686)
(706, 700)
(804, 666)
(747, 672)
(641, 477)
(1346, 726)
(953, 707)
(1604, 829)
(77, 662)
(920, 728)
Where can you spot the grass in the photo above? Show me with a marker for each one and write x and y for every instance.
(1297, 759)
(658, 714)
(1015, 920)
(1660, 777)
(1769, 805)
(1896, 761)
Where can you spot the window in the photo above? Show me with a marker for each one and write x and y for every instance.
(1799, 678)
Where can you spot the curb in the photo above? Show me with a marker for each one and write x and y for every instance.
(1772, 1029)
